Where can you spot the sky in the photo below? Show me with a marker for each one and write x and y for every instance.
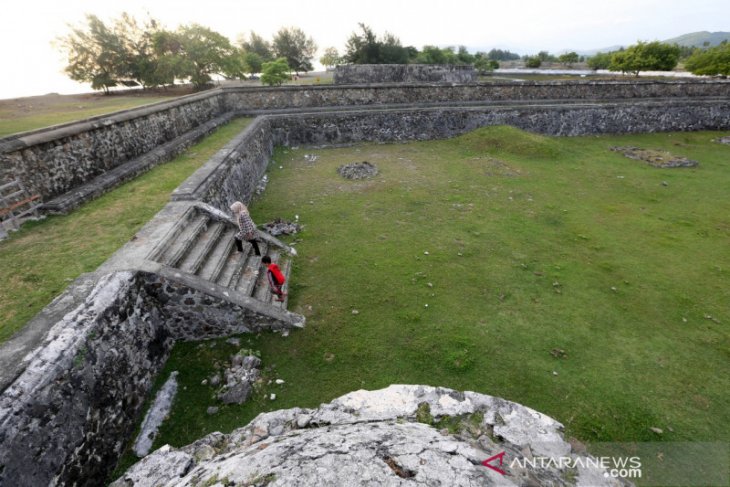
(33, 65)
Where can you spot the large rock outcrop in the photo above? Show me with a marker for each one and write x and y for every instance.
(401, 435)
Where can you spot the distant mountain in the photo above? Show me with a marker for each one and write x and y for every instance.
(694, 39)
(698, 39)
(593, 52)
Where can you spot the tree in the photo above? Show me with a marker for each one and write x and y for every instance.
(568, 58)
(545, 56)
(366, 48)
(436, 55)
(275, 72)
(500, 55)
(533, 62)
(464, 56)
(140, 65)
(713, 61)
(253, 62)
(294, 45)
(171, 62)
(257, 45)
(600, 60)
(95, 55)
(330, 57)
(197, 52)
(392, 52)
(645, 56)
(363, 48)
(483, 64)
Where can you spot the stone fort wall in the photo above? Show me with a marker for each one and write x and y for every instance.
(54, 161)
(351, 74)
(66, 418)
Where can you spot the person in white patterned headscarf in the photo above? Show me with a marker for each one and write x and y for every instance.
(247, 229)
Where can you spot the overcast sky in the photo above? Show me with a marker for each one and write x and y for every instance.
(32, 65)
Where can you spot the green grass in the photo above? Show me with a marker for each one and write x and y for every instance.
(40, 260)
(13, 121)
(533, 244)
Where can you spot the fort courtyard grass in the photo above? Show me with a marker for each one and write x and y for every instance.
(40, 260)
(549, 271)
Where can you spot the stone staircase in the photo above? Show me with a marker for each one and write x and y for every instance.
(203, 245)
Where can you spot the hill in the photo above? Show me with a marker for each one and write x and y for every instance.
(697, 39)
(693, 39)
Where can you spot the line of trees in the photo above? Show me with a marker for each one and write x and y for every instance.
(127, 53)
(365, 47)
(658, 56)
(642, 56)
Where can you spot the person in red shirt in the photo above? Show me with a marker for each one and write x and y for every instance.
(276, 278)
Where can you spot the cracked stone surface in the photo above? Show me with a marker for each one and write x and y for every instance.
(373, 438)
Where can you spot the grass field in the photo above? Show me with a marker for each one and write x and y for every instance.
(548, 271)
(40, 260)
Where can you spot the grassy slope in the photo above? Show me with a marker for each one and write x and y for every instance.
(40, 260)
(26, 114)
(564, 245)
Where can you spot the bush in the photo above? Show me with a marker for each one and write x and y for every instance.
(274, 73)
(712, 61)
(533, 62)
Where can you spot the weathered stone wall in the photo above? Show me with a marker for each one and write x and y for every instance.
(353, 74)
(262, 99)
(66, 418)
(434, 123)
(192, 314)
(53, 161)
(232, 174)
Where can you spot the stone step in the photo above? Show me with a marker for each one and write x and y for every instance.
(200, 251)
(180, 246)
(261, 290)
(250, 274)
(216, 262)
(234, 266)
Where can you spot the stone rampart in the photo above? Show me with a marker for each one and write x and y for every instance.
(287, 97)
(234, 171)
(321, 129)
(66, 418)
(231, 174)
(58, 159)
(352, 74)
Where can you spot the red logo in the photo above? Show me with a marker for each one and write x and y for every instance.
(489, 460)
